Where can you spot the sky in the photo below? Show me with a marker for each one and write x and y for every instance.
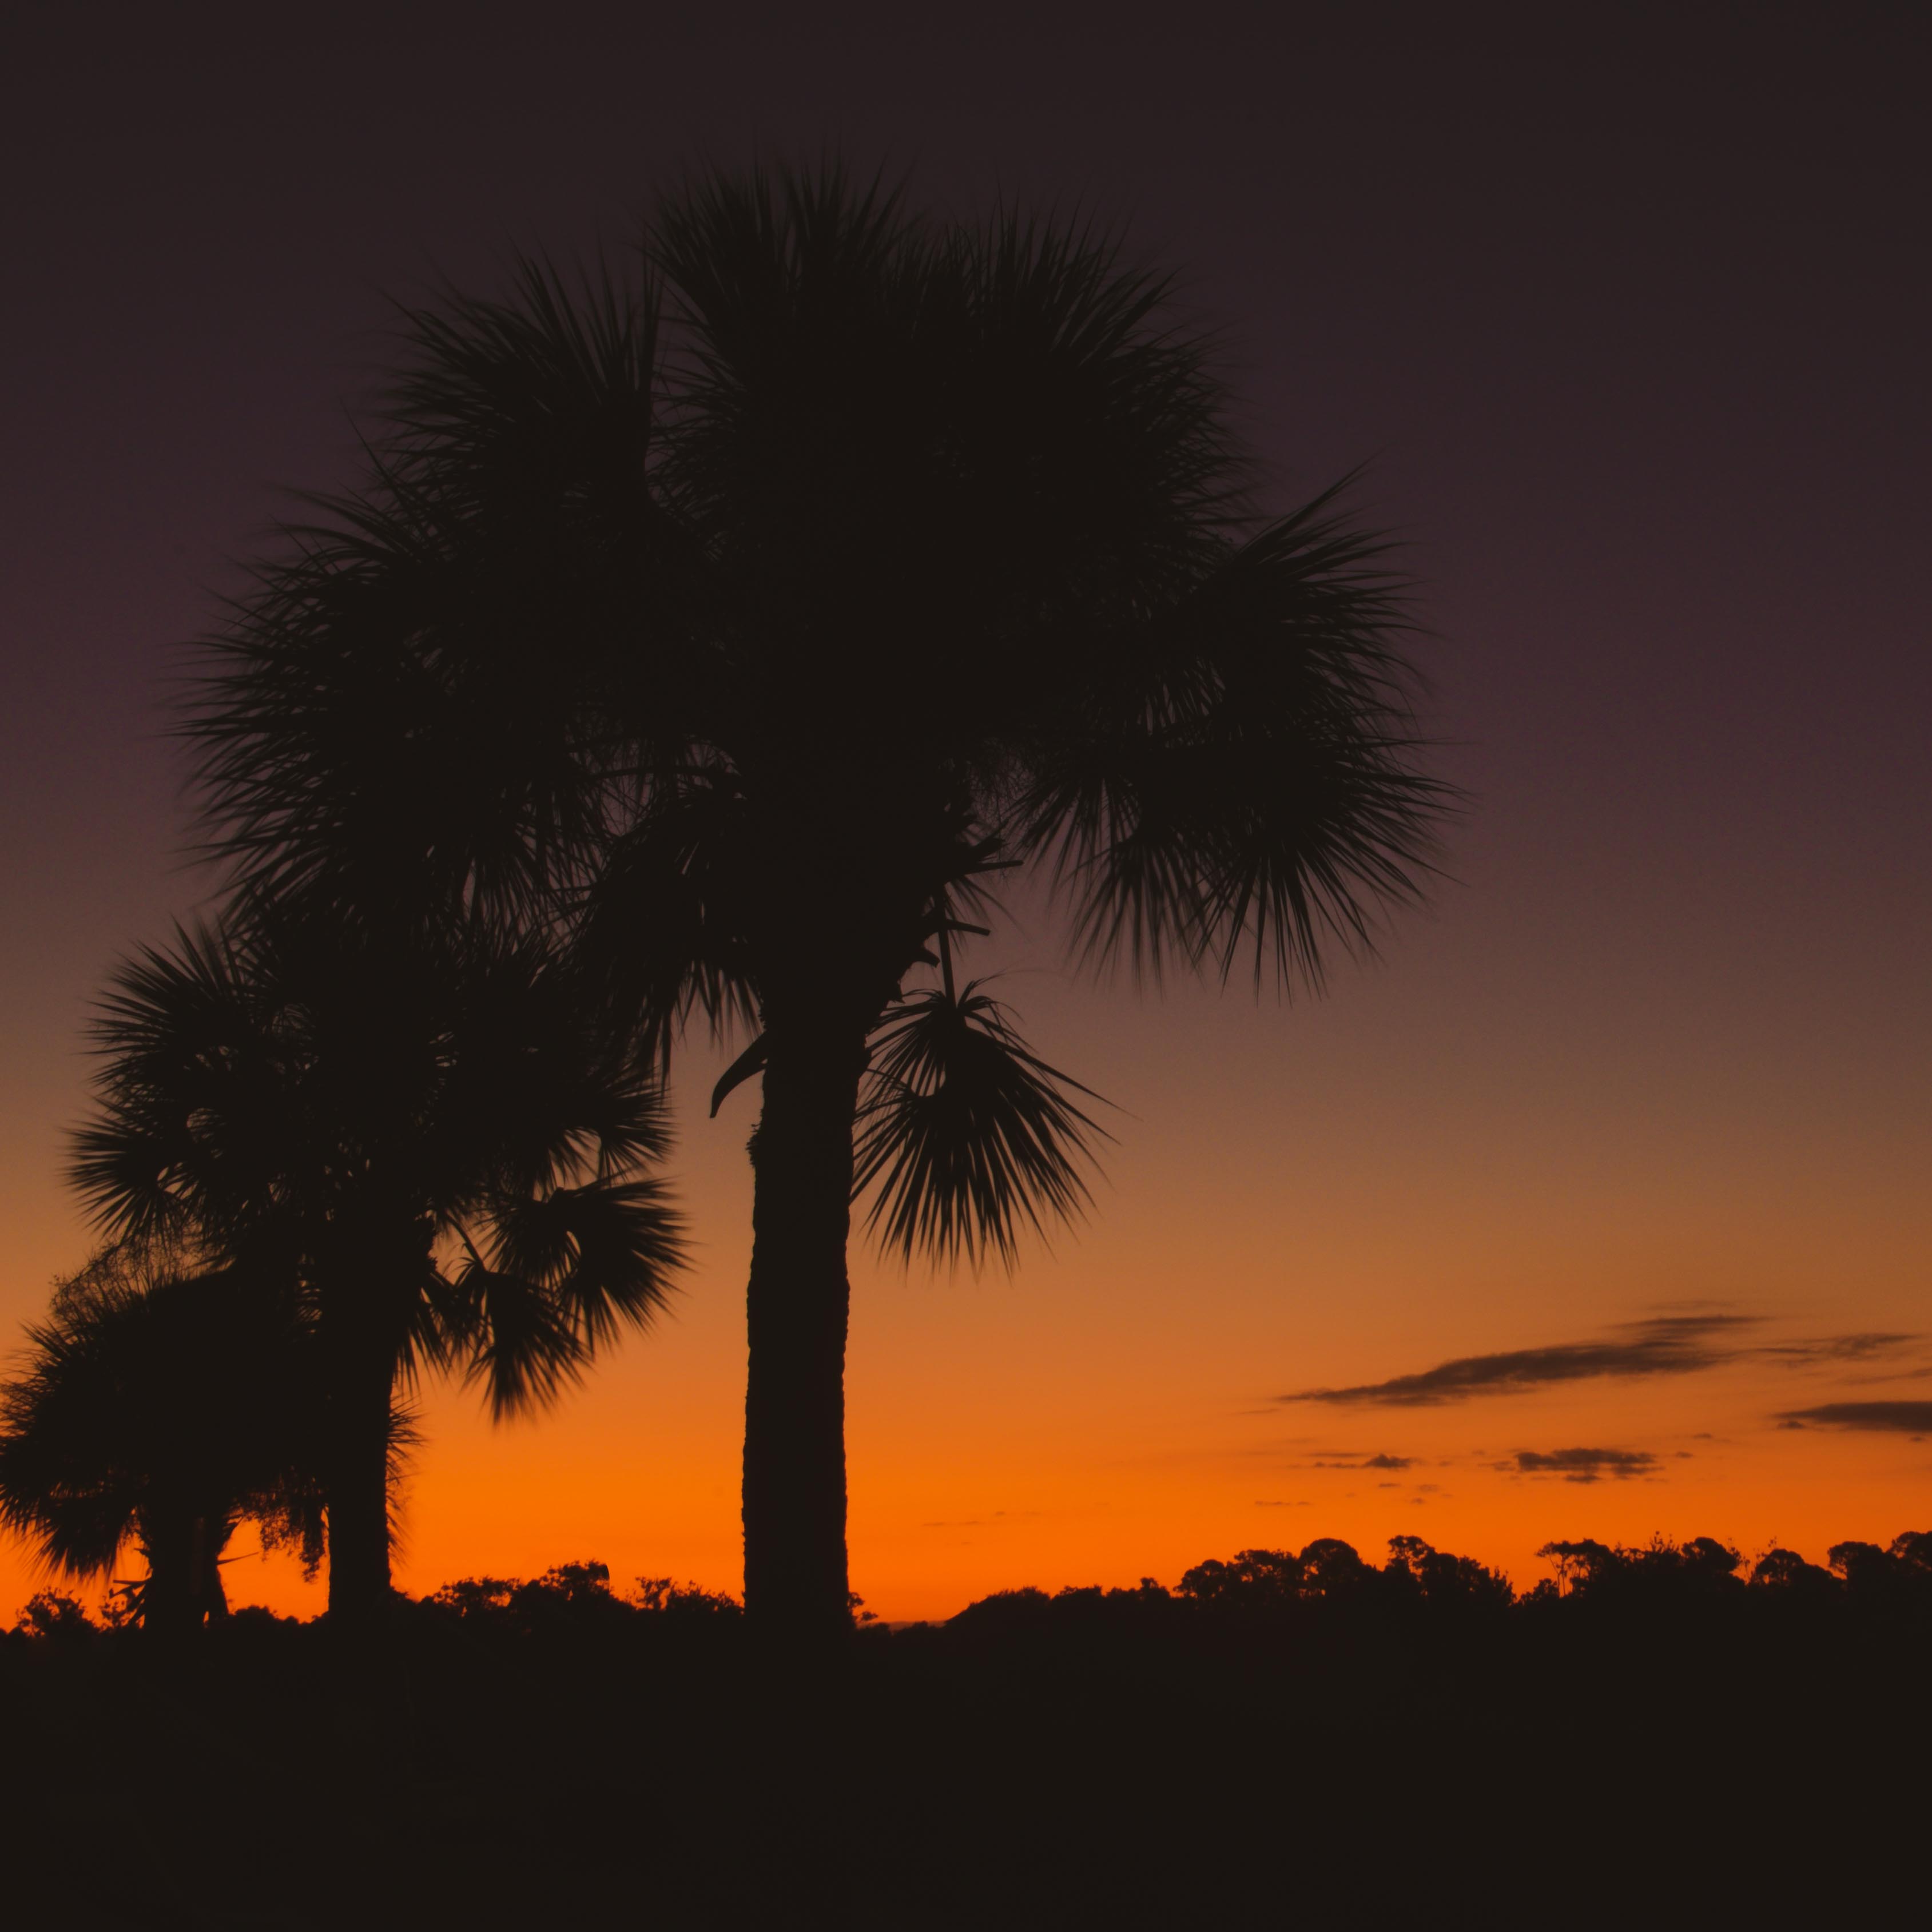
(1596, 1205)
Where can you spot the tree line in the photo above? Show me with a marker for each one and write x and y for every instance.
(1328, 1586)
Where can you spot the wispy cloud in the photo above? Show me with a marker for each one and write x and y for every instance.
(1581, 1466)
(1662, 1345)
(1858, 1347)
(1891, 1418)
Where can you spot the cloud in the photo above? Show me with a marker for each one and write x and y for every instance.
(1389, 1462)
(1664, 1344)
(1892, 1418)
(1661, 1344)
(1857, 1348)
(1581, 1466)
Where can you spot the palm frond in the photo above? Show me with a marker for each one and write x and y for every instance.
(192, 1076)
(405, 711)
(966, 1134)
(535, 1091)
(1246, 773)
(605, 1253)
(566, 1273)
(149, 1396)
(525, 1355)
(661, 932)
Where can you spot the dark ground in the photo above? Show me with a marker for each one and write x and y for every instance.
(1694, 1754)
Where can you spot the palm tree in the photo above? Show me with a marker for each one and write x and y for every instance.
(758, 615)
(426, 1138)
(161, 1407)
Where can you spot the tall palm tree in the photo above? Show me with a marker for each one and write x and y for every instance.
(758, 614)
(161, 1407)
(427, 1137)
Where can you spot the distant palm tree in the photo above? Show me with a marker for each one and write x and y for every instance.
(757, 616)
(428, 1139)
(160, 1407)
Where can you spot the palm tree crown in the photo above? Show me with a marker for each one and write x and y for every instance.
(161, 1404)
(425, 1139)
(756, 616)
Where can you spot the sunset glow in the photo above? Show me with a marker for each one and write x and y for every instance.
(1640, 1103)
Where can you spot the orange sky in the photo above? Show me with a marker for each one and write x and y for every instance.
(1420, 1168)
(1635, 337)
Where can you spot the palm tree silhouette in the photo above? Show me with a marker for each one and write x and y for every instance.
(426, 1138)
(162, 1407)
(756, 615)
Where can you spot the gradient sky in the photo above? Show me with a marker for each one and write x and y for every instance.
(1630, 320)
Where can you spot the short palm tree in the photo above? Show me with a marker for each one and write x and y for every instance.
(757, 616)
(159, 1408)
(427, 1137)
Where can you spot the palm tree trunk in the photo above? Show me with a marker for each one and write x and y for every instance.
(167, 1607)
(796, 1308)
(210, 1537)
(361, 1371)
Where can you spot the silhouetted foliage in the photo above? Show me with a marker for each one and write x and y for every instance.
(427, 1147)
(1899, 1576)
(1444, 1582)
(161, 1408)
(1329, 1579)
(48, 1614)
(1661, 1575)
(1786, 1573)
(753, 615)
(574, 1600)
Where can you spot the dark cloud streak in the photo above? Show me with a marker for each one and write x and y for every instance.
(1659, 1345)
(1665, 1345)
(1891, 1418)
(1834, 1347)
(1582, 1466)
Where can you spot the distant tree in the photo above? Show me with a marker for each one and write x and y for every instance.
(1896, 1577)
(159, 1407)
(760, 616)
(660, 1596)
(1333, 1572)
(1661, 1576)
(1784, 1573)
(575, 1599)
(475, 1599)
(1704, 1557)
(1443, 1581)
(429, 1138)
(1254, 1577)
(1261, 1581)
(1912, 1548)
(1580, 1564)
(50, 1613)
